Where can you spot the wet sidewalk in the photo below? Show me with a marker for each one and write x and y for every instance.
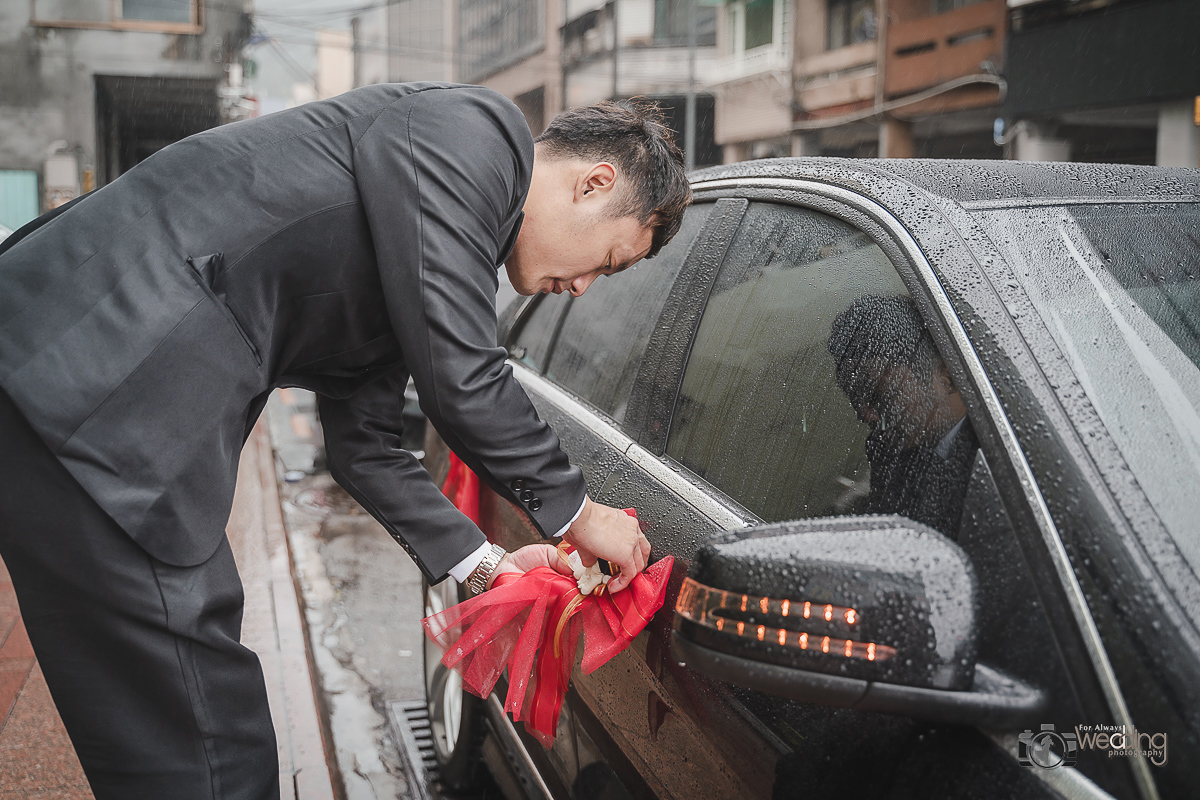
(363, 606)
(37, 761)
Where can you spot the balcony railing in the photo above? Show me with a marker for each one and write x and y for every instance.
(771, 58)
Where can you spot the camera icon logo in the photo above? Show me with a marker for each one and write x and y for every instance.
(1047, 748)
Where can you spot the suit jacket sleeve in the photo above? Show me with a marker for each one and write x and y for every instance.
(363, 446)
(443, 174)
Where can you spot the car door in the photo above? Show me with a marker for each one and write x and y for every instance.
(1113, 292)
(591, 366)
(647, 725)
(578, 359)
(761, 425)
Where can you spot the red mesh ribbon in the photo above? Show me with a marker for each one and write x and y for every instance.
(462, 487)
(530, 623)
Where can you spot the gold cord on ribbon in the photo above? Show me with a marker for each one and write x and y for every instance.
(642, 618)
(575, 601)
(562, 621)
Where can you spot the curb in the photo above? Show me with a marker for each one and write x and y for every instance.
(305, 770)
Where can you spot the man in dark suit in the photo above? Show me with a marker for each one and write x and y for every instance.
(921, 447)
(342, 247)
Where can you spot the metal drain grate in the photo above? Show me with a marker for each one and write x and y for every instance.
(410, 725)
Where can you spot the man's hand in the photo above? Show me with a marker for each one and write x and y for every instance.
(611, 534)
(526, 558)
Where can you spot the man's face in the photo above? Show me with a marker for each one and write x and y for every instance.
(569, 237)
(915, 409)
(567, 254)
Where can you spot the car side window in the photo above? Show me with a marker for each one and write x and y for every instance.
(605, 333)
(813, 387)
(529, 341)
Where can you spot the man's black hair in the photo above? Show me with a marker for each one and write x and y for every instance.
(631, 135)
(877, 331)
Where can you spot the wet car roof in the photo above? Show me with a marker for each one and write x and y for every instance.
(971, 182)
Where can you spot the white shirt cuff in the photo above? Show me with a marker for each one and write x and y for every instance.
(463, 569)
(571, 521)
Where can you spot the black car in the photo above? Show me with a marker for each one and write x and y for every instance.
(924, 440)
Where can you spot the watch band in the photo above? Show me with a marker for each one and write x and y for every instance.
(477, 581)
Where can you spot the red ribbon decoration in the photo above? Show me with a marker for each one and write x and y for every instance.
(531, 623)
(462, 487)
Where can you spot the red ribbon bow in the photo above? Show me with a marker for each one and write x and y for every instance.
(530, 623)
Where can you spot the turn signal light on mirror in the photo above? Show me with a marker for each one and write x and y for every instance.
(711, 608)
(768, 605)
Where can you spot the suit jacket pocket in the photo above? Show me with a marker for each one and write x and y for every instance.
(204, 270)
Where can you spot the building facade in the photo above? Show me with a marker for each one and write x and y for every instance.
(514, 47)
(899, 78)
(751, 79)
(942, 78)
(639, 48)
(549, 55)
(1066, 80)
(1104, 81)
(420, 40)
(835, 77)
(89, 89)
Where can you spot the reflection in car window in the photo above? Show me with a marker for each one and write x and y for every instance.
(921, 446)
(606, 331)
(1118, 288)
(813, 388)
(1154, 252)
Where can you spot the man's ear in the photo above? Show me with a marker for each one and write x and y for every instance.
(596, 182)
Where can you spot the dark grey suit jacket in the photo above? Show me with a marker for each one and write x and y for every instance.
(339, 247)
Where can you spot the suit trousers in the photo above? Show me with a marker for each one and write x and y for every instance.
(142, 658)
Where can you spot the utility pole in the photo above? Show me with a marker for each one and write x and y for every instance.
(689, 131)
(355, 54)
(616, 49)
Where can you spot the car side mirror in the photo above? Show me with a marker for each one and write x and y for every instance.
(874, 613)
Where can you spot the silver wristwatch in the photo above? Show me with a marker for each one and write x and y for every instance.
(477, 581)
